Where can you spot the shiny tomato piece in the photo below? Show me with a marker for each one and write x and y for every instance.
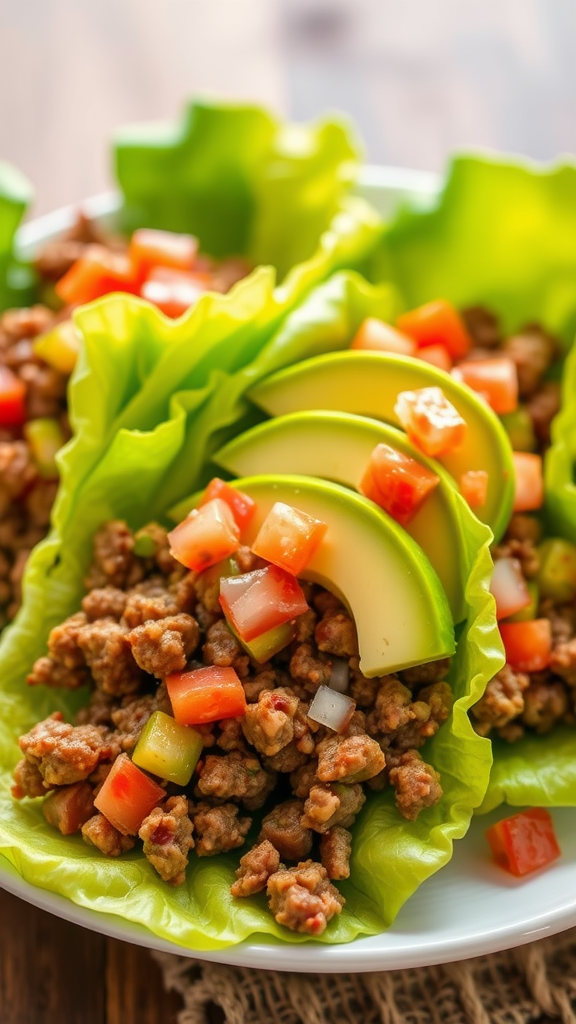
(430, 420)
(495, 379)
(437, 323)
(474, 487)
(12, 399)
(98, 272)
(529, 482)
(207, 536)
(206, 695)
(524, 842)
(257, 601)
(174, 291)
(127, 796)
(528, 645)
(243, 507)
(509, 588)
(288, 537)
(436, 355)
(377, 336)
(396, 482)
(149, 249)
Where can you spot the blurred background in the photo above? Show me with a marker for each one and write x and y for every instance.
(419, 77)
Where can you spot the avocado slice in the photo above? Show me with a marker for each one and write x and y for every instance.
(371, 564)
(369, 382)
(337, 446)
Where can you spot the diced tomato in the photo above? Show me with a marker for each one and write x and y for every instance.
(150, 248)
(437, 355)
(474, 487)
(495, 379)
(430, 420)
(206, 695)
(524, 842)
(12, 399)
(127, 796)
(376, 336)
(242, 505)
(288, 537)
(437, 323)
(396, 482)
(98, 272)
(207, 535)
(174, 291)
(529, 482)
(528, 645)
(257, 601)
(508, 587)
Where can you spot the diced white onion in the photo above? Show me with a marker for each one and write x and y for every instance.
(508, 587)
(340, 676)
(331, 708)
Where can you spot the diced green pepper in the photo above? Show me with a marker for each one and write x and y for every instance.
(45, 438)
(520, 429)
(222, 570)
(265, 646)
(144, 545)
(167, 749)
(531, 610)
(557, 573)
(59, 347)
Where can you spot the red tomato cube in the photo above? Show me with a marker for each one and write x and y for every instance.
(206, 695)
(127, 796)
(98, 272)
(208, 535)
(436, 355)
(474, 487)
(396, 482)
(257, 601)
(12, 399)
(495, 379)
(288, 537)
(524, 842)
(243, 507)
(430, 420)
(529, 489)
(150, 248)
(528, 645)
(437, 323)
(174, 291)
(508, 587)
(376, 336)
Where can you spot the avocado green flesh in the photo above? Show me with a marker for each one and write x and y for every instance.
(368, 383)
(365, 558)
(337, 446)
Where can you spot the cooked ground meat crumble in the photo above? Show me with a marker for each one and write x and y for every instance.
(298, 785)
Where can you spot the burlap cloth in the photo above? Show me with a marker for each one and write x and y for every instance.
(534, 983)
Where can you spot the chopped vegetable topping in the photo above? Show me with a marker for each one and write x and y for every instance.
(436, 355)
(207, 536)
(258, 601)
(288, 537)
(396, 482)
(376, 336)
(127, 796)
(524, 842)
(168, 749)
(437, 323)
(174, 291)
(495, 379)
(557, 571)
(528, 645)
(45, 437)
(331, 708)
(430, 420)
(508, 587)
(59, 347)
(529, 490)
(205, 695)
(150, 248)
(97, 272)
(474, 487)
(241, 504)
(12, 399)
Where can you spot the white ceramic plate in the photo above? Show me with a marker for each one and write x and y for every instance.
(470, 907)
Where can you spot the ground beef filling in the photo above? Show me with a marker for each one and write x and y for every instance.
(295, 785)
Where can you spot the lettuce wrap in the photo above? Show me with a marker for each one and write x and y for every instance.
(16, 279)
(502, 235)
(138, 442)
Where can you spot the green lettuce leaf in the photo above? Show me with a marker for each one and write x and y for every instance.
(501, 234)
(129, 479)
(238, 179)
(16, 279)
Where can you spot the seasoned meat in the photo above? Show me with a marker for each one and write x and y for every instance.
(545, 703)
(269, 724)
(563, 662)
(349, 759)
(163, 646)
(429, 712)
(114, 563)
(284, 829)
(332, 804)
(416, 783)
(542, 408)
(335, 851)
(336, 634)
(266, 679)
(104, 603)
(482, 326)
(63, 642)
(167, 835)
(392, 709)
(532, 351)
(47, 672)
(235, 776)
(303, 898)
(218, 829)
(141, 607)
(524, 551)
(156, 535)
(255, 869)
(230, 736)
(308, 668)
(68, 807)
(131, 717)
(503, 700)
(524, 527)
(107, 652)
(222, 648)
(17, 471)
(64, 753)
(303, 778)
(431, 672)
(363, 690)
(28, 780)
(98, 831)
